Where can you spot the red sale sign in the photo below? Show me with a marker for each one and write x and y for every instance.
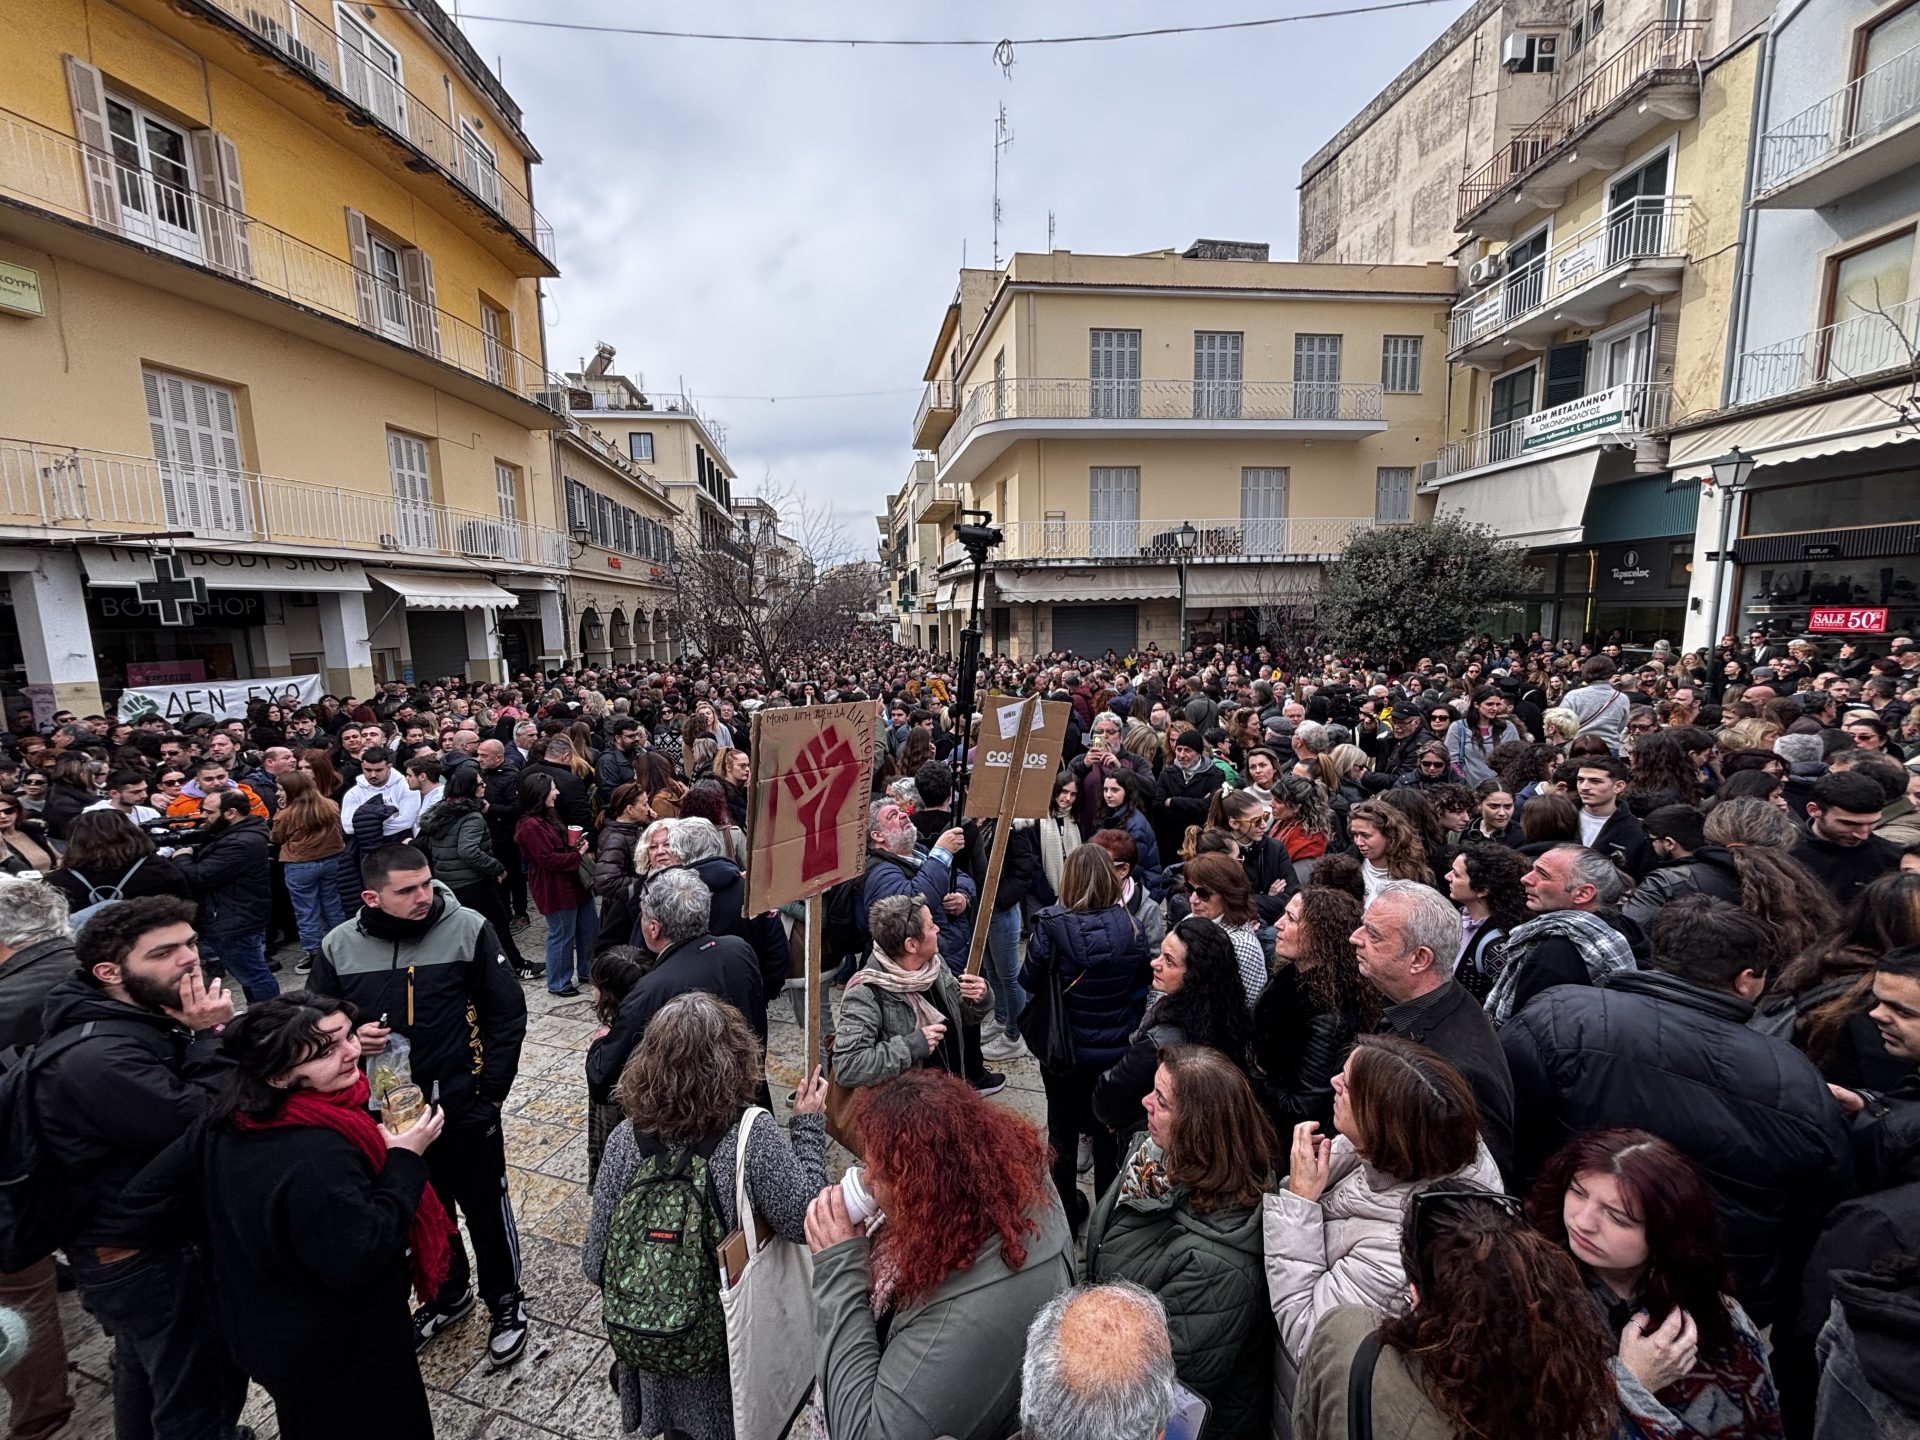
(1847, 620)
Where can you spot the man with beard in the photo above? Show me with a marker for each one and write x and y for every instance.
(130, 1059)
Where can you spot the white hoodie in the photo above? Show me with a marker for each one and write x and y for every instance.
(397, 793)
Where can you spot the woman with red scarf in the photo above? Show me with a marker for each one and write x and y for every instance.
(316, 1219)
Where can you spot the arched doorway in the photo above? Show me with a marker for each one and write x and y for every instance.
(620, 637)
(593, 638)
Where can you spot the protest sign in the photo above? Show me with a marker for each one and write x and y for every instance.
(222, 699)
(993, 758)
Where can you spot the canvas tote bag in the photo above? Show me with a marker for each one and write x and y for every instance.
(768, 1300)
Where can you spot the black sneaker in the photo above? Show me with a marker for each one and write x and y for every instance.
(565, 992)
(304, 966)
(988, 1082)
(430, 1320)
(507, 1335)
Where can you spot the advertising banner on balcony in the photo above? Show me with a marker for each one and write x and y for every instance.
(222, 699)
(1602, 410)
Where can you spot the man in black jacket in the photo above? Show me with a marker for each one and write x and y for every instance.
(1840, 847)
(1407, 945)
(1186, 791)
(1669, 1050)
(130, 1059)
(413, 960)
(676, 908)
(1606, 824)
(1688, 865)
(615, 766)
(228, 865)
(575, 803)
(501, 781)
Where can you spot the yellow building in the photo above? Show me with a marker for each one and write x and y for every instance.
(272, 304)
(620, 594)
(1133, 423)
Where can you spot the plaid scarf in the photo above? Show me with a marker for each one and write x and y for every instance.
(1602, 949)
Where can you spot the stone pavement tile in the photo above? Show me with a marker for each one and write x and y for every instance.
(566, 1222)
(564, 1105)
(590, 1318)
(526, 1089)
(538, 1195)
(550, 1030)
(534, 1389)
(260, 1414)
(569, 1162)
(510, 1427)
(453, 1418)
(455, 1353)
(529, 1142)
(592, 1407)
(550, 1278)
(538, 1061)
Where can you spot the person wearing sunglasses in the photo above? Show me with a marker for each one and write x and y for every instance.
(1403, 1117)
(1525, 1353)
(1638, 1218)
(23, 839)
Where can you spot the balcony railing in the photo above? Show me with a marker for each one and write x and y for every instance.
(1622, 410)
(355, 73)
(1664, 45)
(52, 171)
(1646, 228)
(938, 396)
(1189, 400)
(1869, 344)
(1157, 542)
(1869, 107)
(56, 487)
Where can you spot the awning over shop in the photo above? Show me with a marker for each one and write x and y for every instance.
(1119, 583)
(1533, 505)
(224, 569)
(1806, 432)
(425, 591)
(1241, 584)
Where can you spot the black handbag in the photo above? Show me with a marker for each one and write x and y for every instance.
(1045, 1025)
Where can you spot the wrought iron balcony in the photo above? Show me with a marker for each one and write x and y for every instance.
(935, 416)
(1857, 135)
(67, 491)
(1620, 414)
(1878, 342)
(1156, 542)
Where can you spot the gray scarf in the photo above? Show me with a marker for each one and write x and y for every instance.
(1602, 948)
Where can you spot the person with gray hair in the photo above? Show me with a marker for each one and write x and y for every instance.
(675, 910)
(1577, 934)
(904, 1008)
(698, 844)
(1407, 945)
(1099, 1366)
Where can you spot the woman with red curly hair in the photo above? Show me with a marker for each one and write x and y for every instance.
(924, 1317)
(1639, 1219)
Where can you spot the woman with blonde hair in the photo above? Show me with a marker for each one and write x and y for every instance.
(1388, 846)
(1559, 725)
(1143, 742)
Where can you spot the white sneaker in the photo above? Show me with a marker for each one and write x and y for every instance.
(1003, 1047)
(1083, 1162)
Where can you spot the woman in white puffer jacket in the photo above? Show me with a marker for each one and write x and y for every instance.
(1406, 1119)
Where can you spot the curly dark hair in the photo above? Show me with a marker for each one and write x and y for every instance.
(1505, 1337)
(1223, 1149)
(1686, 1266)
(1496, 870)
(1210, 1007)
(267, 1041)
(1331, 975)
(1532, 762)
(693, 1072)
(1661, 765)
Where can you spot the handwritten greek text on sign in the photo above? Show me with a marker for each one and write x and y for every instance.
(807, 800)
(1847, 619)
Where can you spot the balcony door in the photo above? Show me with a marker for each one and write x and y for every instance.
(370, 70)
(1525, 266)
(1113, 510)
(196, 440)
(390, 290)
(153, 171)
(1263, 510)
(1216, 374)
(1316, 377)
(479, 166)
(1637, 212)
(1888, 84)
(412, 491)
(1113, 364)
(1511, 402)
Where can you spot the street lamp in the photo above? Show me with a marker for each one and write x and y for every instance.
(1186, 540)
(1731, 472)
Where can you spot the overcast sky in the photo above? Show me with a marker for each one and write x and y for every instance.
(758, 220)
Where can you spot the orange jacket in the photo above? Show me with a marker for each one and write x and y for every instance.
(190, 804)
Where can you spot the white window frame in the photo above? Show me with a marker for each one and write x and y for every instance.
(392, 305)
(640, 454)
(413, 513)
(1601, 341)
(1390, 362)
(1114, 396)
(1265, 534)
(195, 431)
(385, 93)
(144, 198)
(494, 328)
(1412, 478)
(479, 164)
(1539, 368)
(1216, 395)
(1113, 535)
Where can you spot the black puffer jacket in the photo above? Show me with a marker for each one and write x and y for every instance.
(1708, 871)
(228, 872)
(1266, 861)
(1652, 1051)
(764, 933)
(1298, 1047)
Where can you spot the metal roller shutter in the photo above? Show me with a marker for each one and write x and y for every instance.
(1092, 630)
(439, 640)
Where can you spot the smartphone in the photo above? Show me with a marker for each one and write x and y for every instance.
(1189, 1416)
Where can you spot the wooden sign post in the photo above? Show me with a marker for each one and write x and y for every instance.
(812, 768)
(1022, 791)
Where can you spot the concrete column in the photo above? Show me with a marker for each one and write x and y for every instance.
(54, 635)
(553, 629)
(344, 642)
(484, 661)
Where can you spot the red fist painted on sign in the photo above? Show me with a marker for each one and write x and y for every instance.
(822, 778)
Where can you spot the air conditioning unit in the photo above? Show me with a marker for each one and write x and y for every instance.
(389, 542)
(305, 55)
(1513, 51)
(1485, 270)
(1429, 472)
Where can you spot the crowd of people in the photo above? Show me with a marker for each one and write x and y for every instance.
(1519, 1041)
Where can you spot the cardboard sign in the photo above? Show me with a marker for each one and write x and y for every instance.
(993, 758)
(807, 799)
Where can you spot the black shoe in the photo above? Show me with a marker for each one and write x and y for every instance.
(507, 1335)
(988, 1082)
(304, 966)
(565, 992)
(273, 967)
(430, 1320)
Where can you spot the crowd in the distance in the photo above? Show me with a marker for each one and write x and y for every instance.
(1513, 1042)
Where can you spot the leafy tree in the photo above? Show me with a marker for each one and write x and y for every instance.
(1411, 590)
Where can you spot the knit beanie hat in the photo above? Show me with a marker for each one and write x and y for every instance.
(1799, 749)
(1190, 740)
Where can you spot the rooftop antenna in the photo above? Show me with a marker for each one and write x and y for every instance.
(1002, 138)
(1049, 232)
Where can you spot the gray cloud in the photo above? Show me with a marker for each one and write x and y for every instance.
(789, 220)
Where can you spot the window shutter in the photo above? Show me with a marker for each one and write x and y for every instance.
(1566, 374)
(236, 203)
(89, 94)
(216, 178)
(423, 316)
(365, 299)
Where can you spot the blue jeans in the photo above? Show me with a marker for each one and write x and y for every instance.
(1003, 960)
(245, 958)
(570, 937)
(314, 888)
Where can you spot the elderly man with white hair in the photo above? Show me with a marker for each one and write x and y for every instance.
(1407, 944)
(1099, 1366)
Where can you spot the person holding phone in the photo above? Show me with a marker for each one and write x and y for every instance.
(553, 852)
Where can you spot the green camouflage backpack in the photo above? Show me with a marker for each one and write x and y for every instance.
(660, 1282)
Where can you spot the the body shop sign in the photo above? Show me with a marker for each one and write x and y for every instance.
(1847, 620)
(1602, 410)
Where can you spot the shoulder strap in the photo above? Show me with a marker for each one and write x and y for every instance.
(742, 1203)
(95, 895)
(1360, 1388)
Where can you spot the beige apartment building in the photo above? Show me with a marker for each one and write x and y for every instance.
(271, 318)
(1582, 164)
(620, 528)
(1133, 423)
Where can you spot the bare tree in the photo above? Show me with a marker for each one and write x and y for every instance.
(783, 577)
